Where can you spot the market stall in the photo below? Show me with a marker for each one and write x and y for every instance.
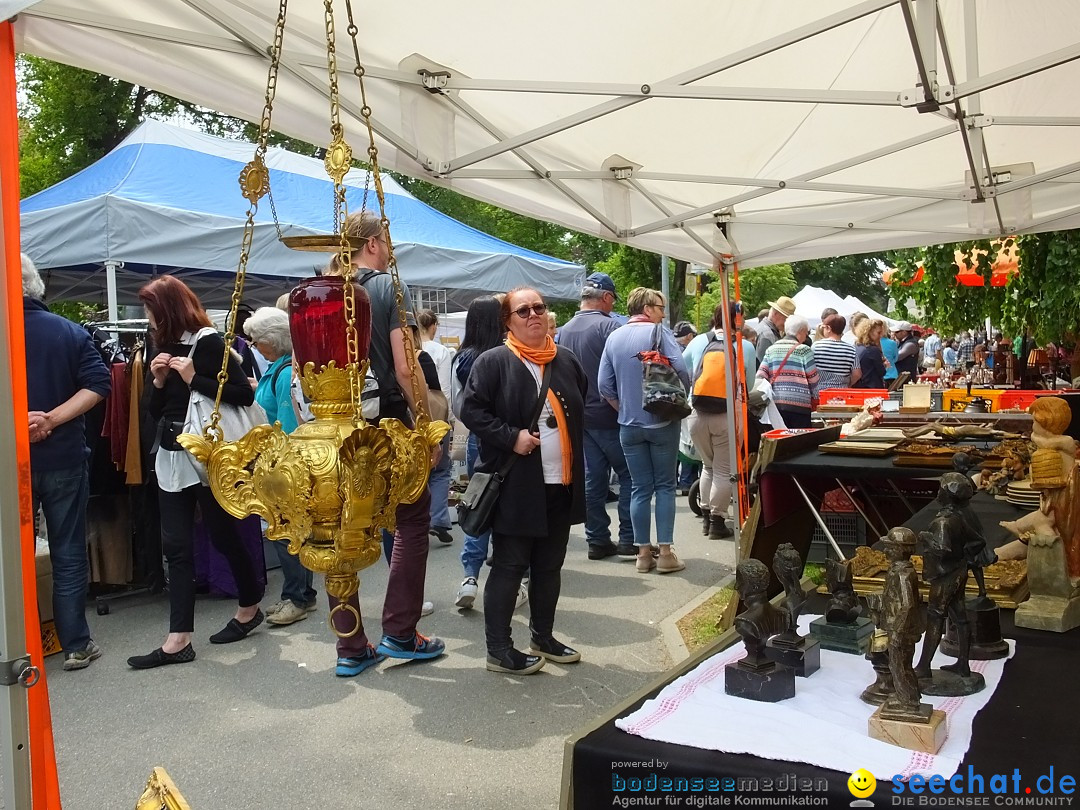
(1024, 727)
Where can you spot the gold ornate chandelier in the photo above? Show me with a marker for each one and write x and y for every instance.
(334, 484)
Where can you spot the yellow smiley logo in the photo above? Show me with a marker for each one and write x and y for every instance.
(861, 783)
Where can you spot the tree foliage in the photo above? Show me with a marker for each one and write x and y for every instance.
(947, 305)
(69, 118)
(757, 287)
(1044, 298)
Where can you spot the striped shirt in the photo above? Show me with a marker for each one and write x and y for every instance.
(835, 362)
(795, 387)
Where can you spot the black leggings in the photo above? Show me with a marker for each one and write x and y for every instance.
(178, 545)
(543, 557)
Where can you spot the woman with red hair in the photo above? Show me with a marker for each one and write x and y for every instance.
(187, 358)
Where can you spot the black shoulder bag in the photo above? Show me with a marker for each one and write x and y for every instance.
(476, 510)
(663, 394)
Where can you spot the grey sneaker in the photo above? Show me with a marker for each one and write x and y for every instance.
(427, 608)
(289, 613)
(277, 606)
(82, 658)
(466, 594)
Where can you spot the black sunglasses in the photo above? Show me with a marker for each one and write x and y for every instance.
(536, 309)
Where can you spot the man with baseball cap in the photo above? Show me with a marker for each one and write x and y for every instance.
(684, 332)
(771, 329)
(907, 352)
(585, 335)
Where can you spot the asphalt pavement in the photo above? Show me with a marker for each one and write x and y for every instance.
(264, 723)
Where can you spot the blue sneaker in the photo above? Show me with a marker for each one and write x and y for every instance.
(353, 665)
(416, 648)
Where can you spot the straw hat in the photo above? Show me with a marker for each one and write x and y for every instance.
(1047, 471)
(784, 305)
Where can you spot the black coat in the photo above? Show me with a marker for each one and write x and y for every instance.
(499, 401)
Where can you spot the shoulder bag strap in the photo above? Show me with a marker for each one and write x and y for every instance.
(206, 330)
(274, 379)
(545, 383)
(656, 338)
(784, 361)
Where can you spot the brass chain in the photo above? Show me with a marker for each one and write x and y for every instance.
(422, 416)
(255, 182)
(341, 210)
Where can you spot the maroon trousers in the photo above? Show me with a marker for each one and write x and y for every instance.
(405, 586)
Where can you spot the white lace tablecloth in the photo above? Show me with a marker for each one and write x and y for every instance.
(825, 724)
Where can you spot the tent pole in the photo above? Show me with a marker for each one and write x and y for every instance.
(22, 742)
(110, 290)
(735, 383)
(665, 284)
(14, 719)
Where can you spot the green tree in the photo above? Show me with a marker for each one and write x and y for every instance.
(69, 118)
(757, 286)
(1045, 296)
(946, 304)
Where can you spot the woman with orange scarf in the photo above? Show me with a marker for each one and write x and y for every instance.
(544, 491)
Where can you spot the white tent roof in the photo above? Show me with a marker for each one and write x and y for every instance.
(811, 301)
(801, 128)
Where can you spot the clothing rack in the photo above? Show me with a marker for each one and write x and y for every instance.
(131, 326)
(118, 342)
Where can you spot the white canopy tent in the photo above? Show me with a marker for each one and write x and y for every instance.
(774, 131)
(795, 130)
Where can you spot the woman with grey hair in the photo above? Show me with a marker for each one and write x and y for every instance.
(269, 330)
(789, 366)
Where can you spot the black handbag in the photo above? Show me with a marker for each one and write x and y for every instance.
(663, 392)
(476, 509)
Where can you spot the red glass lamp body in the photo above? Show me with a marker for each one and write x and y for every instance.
(317, 322)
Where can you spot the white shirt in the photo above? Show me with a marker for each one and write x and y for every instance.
(444, 359)
(177, 469)
(550, 442)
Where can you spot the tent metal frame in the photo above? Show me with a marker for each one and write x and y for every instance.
(936, 92)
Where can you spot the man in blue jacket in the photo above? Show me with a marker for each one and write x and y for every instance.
(66, 377)
(585, 335)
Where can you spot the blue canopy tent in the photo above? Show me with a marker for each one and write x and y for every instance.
(167, 200)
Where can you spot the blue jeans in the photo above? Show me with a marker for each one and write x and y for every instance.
(688, 473)
(62, 496)
(475, 550)
(439, 484)
(651, 455)
(604, 453)
(297, 581)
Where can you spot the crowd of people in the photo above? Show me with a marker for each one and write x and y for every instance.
(558, 411)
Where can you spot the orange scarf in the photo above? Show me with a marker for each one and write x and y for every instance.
(542, 357)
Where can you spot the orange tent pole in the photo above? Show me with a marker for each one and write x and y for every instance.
(45, 784)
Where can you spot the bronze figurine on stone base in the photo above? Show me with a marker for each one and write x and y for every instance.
(903, 719)
(952, 544)
(842, 628)
(789, 648)
(878, 654)
(755, 677)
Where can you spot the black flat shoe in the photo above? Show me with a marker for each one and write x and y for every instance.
(443, 534)
(555, 651)
(159, 658)
(600, 552)
(514, 662)
(236, 630)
